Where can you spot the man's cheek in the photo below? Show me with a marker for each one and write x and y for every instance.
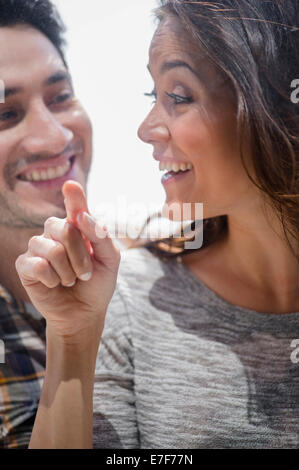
(82, 129)
(80, 122)
(4, 186)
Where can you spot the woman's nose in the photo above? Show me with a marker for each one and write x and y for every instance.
(153, 129)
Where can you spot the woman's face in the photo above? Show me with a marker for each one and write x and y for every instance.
(193, 121)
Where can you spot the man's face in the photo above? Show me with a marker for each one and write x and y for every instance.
(45, 135)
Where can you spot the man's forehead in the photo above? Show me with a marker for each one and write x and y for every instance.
(26, 55)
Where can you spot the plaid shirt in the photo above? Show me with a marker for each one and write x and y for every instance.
(22, 329)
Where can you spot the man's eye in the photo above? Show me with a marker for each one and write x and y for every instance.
(6, 115)
(179, 99)
(61, 98)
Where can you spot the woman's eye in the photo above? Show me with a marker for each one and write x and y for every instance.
(152, 94)
(176, 98)
(179, 99)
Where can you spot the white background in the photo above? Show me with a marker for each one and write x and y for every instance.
(107, 53)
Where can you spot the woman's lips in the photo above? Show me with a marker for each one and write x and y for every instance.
(172, 176)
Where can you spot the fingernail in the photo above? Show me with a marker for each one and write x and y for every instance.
(101, 231)
(71, 285)
(86, 276)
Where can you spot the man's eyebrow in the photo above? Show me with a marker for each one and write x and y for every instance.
(58, 77)
(11, 91)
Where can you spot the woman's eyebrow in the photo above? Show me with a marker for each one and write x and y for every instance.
(166, 66)
(169, 65)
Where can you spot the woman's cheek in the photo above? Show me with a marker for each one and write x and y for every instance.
(190, 136)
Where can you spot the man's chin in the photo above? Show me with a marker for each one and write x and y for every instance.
(59, 212)
(37, 220)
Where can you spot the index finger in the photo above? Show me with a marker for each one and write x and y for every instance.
(74, 200)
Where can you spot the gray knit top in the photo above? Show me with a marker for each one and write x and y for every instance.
(181, 368)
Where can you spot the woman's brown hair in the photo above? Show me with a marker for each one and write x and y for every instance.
(255, 43)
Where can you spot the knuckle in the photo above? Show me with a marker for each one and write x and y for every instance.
(40, 268)
(50, 222)
(18, 262)
(57, 253)
(33, 241)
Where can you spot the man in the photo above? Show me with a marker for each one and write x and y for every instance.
(45, 139)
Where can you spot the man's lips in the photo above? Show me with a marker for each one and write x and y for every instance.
(44, 165)
(48, 181)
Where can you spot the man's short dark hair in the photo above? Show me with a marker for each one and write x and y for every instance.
(39, 14)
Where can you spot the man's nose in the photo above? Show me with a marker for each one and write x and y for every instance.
(153, 128)
(44, 133)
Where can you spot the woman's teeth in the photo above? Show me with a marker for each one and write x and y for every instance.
(46, 175)
(176, 167)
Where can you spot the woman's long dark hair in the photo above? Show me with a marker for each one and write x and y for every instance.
(255, 43)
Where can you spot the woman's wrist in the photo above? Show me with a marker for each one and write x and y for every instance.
(84, 339)
(72, 356)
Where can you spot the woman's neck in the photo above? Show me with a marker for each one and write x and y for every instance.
(252, 266)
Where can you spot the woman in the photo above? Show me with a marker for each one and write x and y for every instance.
(199, 346)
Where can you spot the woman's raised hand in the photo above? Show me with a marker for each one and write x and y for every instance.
(70, 271)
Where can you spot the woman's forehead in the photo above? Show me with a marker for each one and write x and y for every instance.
(171, 35)
(171, 39)
(171, 42)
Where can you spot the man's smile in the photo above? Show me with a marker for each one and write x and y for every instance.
(50, 172)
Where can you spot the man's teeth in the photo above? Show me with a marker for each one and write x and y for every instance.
(175, 166)
(49, 174)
